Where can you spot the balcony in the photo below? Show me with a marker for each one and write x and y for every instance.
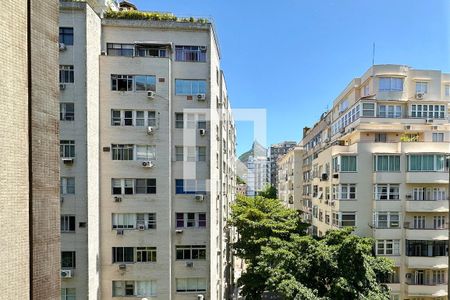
(428, 290)
(427, 262)
(426, 234)
(427, 177)
(426, 206)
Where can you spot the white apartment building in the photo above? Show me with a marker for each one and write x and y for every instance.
(258, 174)
(289, 168)
(376, 161)
(275, 152)
(152, 151)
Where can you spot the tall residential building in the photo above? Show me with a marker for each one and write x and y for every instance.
(376, 161)
(29, 172)
(149, 157)
(254, 168)
(290, 174)
(276, 151)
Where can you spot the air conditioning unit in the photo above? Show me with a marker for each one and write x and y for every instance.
(117, 199)
(333, 202)
(178, 231)
(141, 226)
(67, 160)
(62, 86)
(103, 52)
(66, 273)
(419, 96)
(201, 97)
(408, 275)
(147, 164)
(342, 130)
(151, 95)
(62, 47)
(435, 127)
(150, 130)
(202, 131)
(429, 121)
(408, 127)
(324, 177)
(189, 264)
(200, 297)
(120, 231)
(122, 267)
(291, 201)
(408, 196)
(336, 175)
(199, 198)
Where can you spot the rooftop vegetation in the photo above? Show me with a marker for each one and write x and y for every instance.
(152, 16)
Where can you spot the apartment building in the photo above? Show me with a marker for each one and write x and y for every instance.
(290, 174)
(148, 145)
(29, 243)
(376, 161)
(275, 152)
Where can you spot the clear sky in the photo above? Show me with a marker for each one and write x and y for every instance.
(293, 57)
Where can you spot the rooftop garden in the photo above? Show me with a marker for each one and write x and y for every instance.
(151, 16)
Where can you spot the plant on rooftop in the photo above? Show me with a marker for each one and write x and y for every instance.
(152, 16)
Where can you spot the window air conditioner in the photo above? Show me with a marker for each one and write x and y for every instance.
(419, 96)
(199, 198)
(141, 227)
(189, 264)
(147, 164)
(117, 199)
(201, 97)
(150, 130)
(119, 231)
(66, 273)
(202, 131)
(62, 86)
(151, 95)
(62, 47)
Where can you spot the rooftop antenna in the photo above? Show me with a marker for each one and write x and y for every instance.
(373, 54)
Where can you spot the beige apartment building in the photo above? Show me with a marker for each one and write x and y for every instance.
(377, 161)
(150, 144)
(289, 168)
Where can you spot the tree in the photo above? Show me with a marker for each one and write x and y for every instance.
(281, 258)
(269, 192)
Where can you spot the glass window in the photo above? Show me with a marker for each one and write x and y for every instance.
(67, 149)
(122, 83)
(145, 83)
(188, 252)
(386, 163)
(428, 111)
(122, 152)
(348, 219)
(67, 223)
(68, 294)
(421, 87)
(123, 254)
(179, 153)
(201, 153)
(145, 152)
(380, 137)
(190, 87)
(426, 162)
(66, 112)
(151, 118)
(146, 186)
(140, 119)
(386, 191)
(66, 35)
(438, 136)
(191, 284)
(152, 51)
(68, 259)
(67, 185)
(447, 90)
(368, 109)
(389, 111)
(145, 254)
(179, 120)
(190, 53)
(116, 118)
(119, 49)
(66, 74)
(390, 84)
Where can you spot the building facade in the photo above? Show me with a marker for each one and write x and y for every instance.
(290, 173)
(148, 171)
(376, 161)
(275, 152)
(29, 216)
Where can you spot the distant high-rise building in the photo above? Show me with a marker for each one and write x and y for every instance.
(255, 168)
(29, 172)
(277, 150)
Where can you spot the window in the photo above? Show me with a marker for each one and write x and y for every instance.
(421, 87)
(68, 294)
(66, 74)
(380, 137)
(429, 194)
(201, 121)
(366, 90)
(68, 259)
(426, 163)
(122, 83)
(386, 163)
(190, 252)
(66, 35)
(145, 83)
(190, 87)
(190, 186)
(190, 53)
(447, 90)
(122, 186)
(347, 219)
(191, 284)
(119, 49)
(426, 248)
(390, 84)
(201, 153)
(122, 152)
(344, 191)
(388, 247)
(123, 221)
(368, 109)
(387, 219)
(133, 118)
(145, 152)
(67, 223)
(151, 51)
(187, 220)
(67, 149)
(66, 112)
(123, 254)
(389, 111)
(151, 118)
(134, 288)
(438, 136)
(428, 111)
(179, 120)
(146, 186)
(179, 153)
(145, 254)
(386, 191)
(419, 222)
(345, 163)
(439, 222)
(67, 185)
(116, 119)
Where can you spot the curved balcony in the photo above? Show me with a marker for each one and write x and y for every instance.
(427, 262)
(426, 206)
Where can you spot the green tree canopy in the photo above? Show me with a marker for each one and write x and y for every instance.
(281, 258)
(269, 192)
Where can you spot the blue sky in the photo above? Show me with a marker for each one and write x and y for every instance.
(293, 57)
